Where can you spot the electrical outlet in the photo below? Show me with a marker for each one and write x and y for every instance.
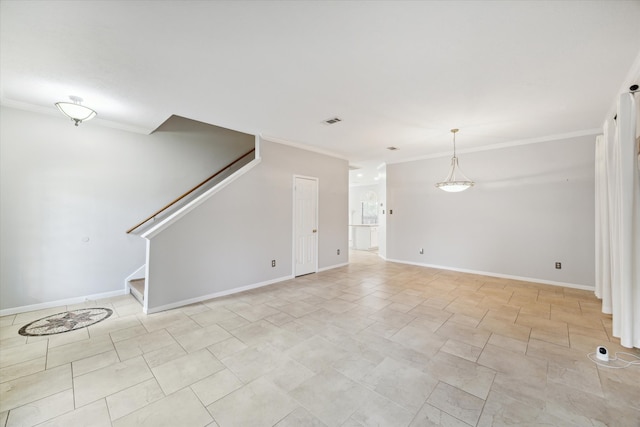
(338, 251)
(558, 265)
(273, 263)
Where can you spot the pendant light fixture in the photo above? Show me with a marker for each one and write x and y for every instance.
(456, 181)
(75, 111)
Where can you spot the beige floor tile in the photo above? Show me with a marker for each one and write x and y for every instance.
(300, 417)
(403, 308)
(379, 411)
(559, 337)
(163, 355)
(508, 343)
(621, 385)
(127, 333)
(112, 325)
(337, 305)
(457, 403)
(510, 330)
(373, 302)
(537, 309)
(589, 332)
(165, 319)
(253, 313)
(256, 404)
(186, 370)
(299, 309)
(34, 387)
(462, 349)
(316, 353)
(258, 333)
(93, 363)
(419, 340)
(280, 319)
(227, 347)
(193, 309)
(468, 334)
(196, 339)
(42, 410)
(18, 370)
(209, 317)
(515, 364)
(179, 409)
(11, 331)
(7, 320)
(432, 318)
(78, 350)
(255, 362)
(29, 316)
(289, 375)
(95, 414)
(16, 340)
(133, 398)
(501, 410)
(527, 390)
(61, 339)
(20, 354)
(142, 344)
(501, 312)
(109, 380)
(463, 374)
(463, 319)
(216, 386)
(400, 383)
(430, 416)
(331, 396)
(382, 329)
(392, 317)
(578, 407)
(332, 338)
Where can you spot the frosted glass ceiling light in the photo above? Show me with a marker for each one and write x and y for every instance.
(75, 111)
(456, 181)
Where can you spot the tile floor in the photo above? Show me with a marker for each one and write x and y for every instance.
(371, 344)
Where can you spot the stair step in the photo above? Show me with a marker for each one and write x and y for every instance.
(136, 288)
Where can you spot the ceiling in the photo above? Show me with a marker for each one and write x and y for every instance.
(397, 73)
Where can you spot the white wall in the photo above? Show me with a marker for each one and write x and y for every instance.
(532, 205)
(229, 241)
(61, 185)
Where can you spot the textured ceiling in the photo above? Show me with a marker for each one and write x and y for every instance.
(397, 73)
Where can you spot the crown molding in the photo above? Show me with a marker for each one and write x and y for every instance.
(516, 143)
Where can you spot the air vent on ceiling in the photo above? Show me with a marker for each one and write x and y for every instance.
(392, 148)
(332, 121)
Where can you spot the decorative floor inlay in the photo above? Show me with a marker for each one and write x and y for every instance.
(65, 322)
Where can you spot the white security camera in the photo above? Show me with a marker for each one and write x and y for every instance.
(602, 353)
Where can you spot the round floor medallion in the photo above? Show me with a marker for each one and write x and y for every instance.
(65, 322)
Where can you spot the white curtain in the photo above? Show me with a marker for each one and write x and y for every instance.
(618, 220)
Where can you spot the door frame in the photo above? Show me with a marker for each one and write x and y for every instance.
(293, 222)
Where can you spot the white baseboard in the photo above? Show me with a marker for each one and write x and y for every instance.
(502, 276)
(214, 295)
(331, 267)
(58, 303)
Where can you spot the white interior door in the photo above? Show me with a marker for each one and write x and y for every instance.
(305, 233)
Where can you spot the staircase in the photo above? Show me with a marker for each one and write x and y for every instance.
(136, 287)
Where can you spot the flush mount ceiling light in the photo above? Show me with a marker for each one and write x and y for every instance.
(75, 111)
(456, 181)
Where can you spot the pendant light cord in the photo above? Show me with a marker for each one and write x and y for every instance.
(453, 131)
